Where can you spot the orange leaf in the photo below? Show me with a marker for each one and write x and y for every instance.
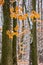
(10, 37)
(17, 8)
(26, 15)
(13, 15)
(32, 16)
(11, 9)
(10, 33)
(7, 32)
(36, 15)
(20, 17)
(16, 28)
(1, 2)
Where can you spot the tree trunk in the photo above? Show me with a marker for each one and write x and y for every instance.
(14, 39)
(6, 42)
(34, 43)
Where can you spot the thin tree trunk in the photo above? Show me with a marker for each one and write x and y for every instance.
(6, 42)
(34, 43)
(14, 39)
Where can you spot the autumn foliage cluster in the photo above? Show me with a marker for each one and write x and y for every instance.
(17, 13)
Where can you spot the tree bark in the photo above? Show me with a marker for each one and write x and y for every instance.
(6, 42)
(34, 43)
(14, 38)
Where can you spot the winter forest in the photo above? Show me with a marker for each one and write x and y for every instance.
(21, 32)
